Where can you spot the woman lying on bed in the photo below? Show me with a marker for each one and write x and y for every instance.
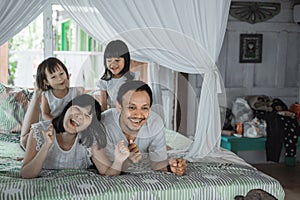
(70, 140)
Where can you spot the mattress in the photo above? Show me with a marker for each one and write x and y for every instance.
(209, 178)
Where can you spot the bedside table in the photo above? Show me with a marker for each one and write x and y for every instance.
(236, 144)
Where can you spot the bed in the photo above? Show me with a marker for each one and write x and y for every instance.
(209, 178)
(221, 175)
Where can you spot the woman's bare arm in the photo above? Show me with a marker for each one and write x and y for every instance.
(31, 116)
(33, 160)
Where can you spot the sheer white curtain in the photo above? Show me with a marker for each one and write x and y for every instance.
(154, 81)
(185, 36)
(17, 14)
(84, 13)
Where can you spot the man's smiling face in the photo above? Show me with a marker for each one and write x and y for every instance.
(134, 111)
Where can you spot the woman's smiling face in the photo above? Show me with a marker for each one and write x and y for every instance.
(77, 118)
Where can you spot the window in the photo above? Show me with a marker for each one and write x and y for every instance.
(78, 51)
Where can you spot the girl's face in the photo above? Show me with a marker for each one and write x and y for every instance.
(77, 118)
(115, 65)
(58, 79)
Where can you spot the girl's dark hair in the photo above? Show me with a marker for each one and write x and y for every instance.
(135, 85)
(93, 133)
(51, 64)
(116, 49)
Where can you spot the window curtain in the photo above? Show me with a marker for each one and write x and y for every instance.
(185, 36)
(154, 82)
(17, 14)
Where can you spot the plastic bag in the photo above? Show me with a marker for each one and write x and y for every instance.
(255, 128)
(241, 112)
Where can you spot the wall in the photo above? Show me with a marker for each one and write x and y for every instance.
(278, 75)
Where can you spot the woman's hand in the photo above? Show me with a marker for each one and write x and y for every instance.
(178, 166)
(48, 136)
(121, 152)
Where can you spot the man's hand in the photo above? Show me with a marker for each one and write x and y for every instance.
(178, 166)
(135, 154)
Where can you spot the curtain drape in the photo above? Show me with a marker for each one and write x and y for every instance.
(185, 36)
(154, 82)
(17, 14)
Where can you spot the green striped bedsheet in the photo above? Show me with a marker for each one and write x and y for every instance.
(202, 181)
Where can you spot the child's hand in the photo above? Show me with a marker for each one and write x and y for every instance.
(37, 93)
(135, 154)
(48, 136)
(121, 151)
(178, 166)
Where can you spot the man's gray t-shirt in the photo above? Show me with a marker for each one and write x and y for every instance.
(150, 139)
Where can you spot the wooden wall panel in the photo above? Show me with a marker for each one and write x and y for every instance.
(265, 72)
(234, 75)
(278, 74)
(293, 60)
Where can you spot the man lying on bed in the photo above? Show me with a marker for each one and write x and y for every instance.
(142, 130)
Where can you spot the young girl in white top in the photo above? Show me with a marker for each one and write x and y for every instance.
(70, 140)
(53, 78)
(117, 65)
(53, 91)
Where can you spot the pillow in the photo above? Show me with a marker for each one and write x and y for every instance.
(176, 142)
(13, 106)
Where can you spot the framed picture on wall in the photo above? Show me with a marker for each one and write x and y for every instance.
(251, 48)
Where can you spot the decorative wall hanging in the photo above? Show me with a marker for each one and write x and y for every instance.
(250, 48)
(253, 12)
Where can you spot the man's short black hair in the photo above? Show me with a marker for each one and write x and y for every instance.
(135, 85)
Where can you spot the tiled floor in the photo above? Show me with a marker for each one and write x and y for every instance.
(289, 177)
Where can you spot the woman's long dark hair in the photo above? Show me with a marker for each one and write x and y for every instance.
(95, 132)
(116, 49)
